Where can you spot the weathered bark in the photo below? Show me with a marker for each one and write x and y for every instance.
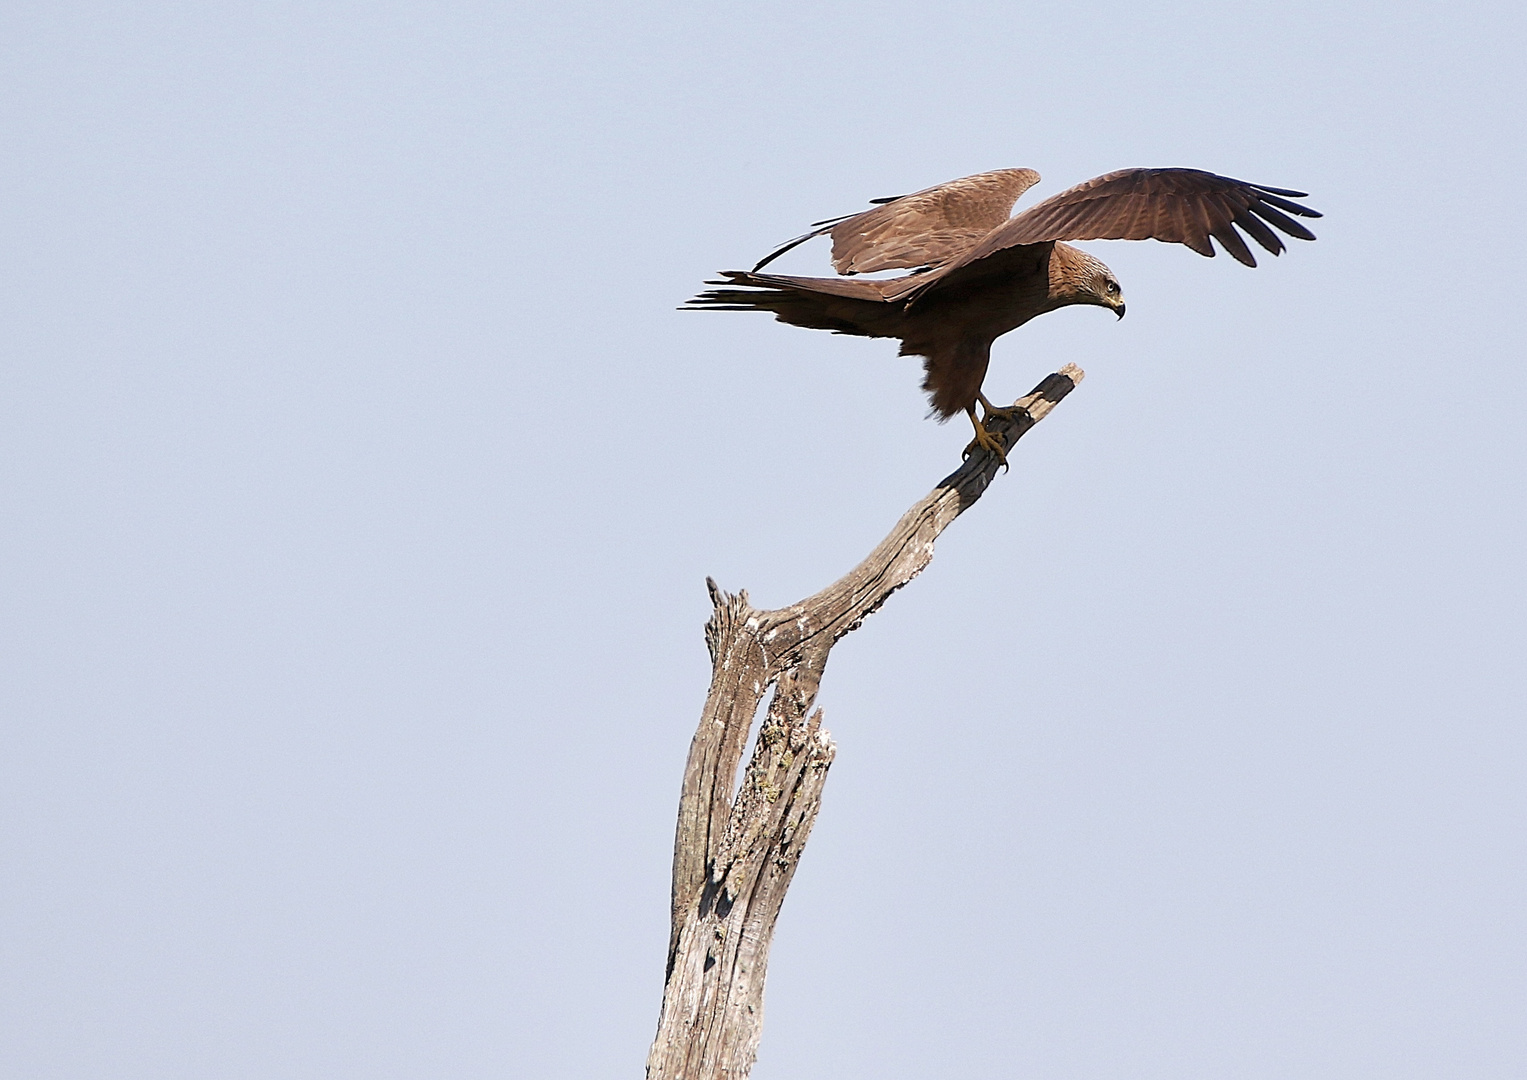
(733, 857)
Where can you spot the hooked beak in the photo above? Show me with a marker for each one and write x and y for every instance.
(1119, 311)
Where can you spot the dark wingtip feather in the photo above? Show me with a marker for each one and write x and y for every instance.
(1281, 221)
(1199, 243)
(1231, 241)
(1254, 227)
(817, 229)
(797, 242)
(1283, 204)
(1282, 191)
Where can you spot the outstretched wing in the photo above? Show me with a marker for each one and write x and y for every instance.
(1179, 206)
(926, 229)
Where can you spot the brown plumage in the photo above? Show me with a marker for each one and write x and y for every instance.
(978, 273)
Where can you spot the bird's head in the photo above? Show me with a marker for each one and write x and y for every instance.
(1101, 287)
(1085, 280)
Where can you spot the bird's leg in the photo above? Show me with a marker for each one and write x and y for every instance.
(984, 439)
(992, 410)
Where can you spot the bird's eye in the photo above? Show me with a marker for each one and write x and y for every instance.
(1113, 287)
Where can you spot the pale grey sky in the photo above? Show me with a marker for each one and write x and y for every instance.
(359, 483)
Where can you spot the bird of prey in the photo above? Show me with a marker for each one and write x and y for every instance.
(977, 273)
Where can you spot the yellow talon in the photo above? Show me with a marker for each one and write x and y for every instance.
(984, 439)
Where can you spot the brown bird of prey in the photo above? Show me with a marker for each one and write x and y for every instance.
(978, 273)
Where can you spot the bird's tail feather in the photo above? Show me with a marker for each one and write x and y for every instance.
(844, 307)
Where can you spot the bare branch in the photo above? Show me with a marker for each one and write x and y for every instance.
(733, 857)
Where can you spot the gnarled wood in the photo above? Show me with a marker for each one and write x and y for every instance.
(734, 856)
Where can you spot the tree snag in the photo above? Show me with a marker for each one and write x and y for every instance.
(733, 857)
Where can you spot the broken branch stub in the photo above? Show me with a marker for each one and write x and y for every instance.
(733, 857)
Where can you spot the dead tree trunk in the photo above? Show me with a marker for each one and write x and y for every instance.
(733, 858)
